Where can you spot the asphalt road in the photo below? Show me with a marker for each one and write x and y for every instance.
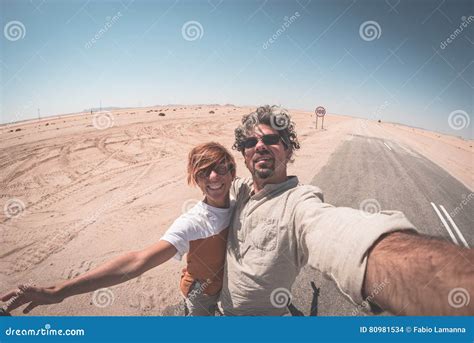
(398, 179)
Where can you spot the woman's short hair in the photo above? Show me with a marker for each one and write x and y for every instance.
(208, 155)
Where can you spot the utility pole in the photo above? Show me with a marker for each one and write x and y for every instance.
(39, 115)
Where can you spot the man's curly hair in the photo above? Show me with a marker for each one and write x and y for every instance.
(274, 116)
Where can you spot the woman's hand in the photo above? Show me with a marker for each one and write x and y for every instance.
(31, 295)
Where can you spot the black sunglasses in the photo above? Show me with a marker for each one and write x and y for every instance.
(266, 139)
(221, 169)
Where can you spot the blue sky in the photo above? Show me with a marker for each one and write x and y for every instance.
(143, 55)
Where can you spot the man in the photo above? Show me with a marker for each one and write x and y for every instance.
(279, 226)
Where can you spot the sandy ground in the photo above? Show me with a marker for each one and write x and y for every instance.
(91, 194)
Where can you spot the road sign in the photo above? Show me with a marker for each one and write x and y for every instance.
(320, 112)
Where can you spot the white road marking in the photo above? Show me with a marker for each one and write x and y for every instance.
(407, 150)
(451, 234)
(387, 146)
(453, 224)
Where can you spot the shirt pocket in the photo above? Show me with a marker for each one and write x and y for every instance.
(264, 236)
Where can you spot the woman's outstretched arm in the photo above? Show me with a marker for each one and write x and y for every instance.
(118, 270)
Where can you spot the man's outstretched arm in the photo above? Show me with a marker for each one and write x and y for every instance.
(410, 274)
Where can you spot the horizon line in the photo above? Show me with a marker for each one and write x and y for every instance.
(112, 108)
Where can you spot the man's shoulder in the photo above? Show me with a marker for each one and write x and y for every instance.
(240, 183)
(304, 189)
(303, 192)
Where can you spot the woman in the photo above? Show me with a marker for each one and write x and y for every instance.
(201, 233)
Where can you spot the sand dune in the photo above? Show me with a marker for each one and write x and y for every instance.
(80, 189)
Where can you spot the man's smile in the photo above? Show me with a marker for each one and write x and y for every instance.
(263, 158)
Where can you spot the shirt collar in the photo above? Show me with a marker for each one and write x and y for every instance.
(208, 207)
(292, 181)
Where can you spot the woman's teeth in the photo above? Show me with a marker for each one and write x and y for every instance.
(215, 187)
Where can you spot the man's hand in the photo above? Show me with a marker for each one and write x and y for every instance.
(31, 295)
(411, 274)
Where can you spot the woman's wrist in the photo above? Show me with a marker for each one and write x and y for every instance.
(61, 291)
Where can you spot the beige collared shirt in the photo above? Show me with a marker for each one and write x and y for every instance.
(275, 232)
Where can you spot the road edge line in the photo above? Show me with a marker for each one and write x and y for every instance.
(451, 234)
(455, 227)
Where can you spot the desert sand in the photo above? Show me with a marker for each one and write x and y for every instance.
(78, 191)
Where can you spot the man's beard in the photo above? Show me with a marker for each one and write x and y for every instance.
(264, 173)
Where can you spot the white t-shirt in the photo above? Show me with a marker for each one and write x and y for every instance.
(201, 221)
